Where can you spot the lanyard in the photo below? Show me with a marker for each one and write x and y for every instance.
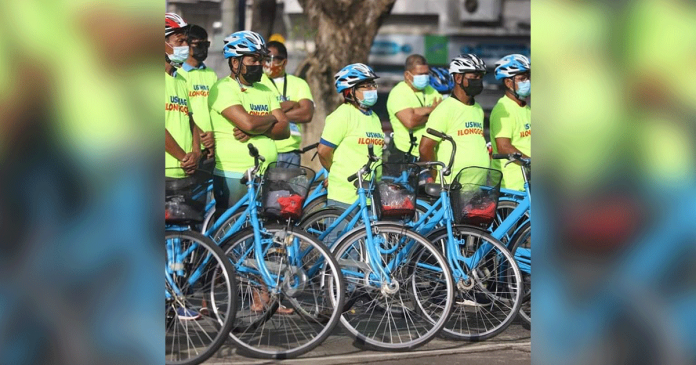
(419, 100)
(285, 85)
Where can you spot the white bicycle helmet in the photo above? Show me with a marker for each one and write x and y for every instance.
(173, 23)
(467, 63)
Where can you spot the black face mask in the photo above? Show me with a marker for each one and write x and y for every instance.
(253, 73)
(200, 53)
(475, 87)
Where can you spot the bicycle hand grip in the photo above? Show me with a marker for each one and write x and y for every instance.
(500, 156)
(353, 177)
(309, 148)
(253, 152)
(371, 151)
(437, 134)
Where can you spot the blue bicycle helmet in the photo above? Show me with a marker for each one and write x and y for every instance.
(441, 80)
(352, 75)
(242, 43)
(511, 65)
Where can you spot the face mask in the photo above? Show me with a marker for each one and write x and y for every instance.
(475, 87)
(420, 81)
(253, 73)
(369, 98)
(200, 53)
(524, 88)
(272, 69)
(179, 55)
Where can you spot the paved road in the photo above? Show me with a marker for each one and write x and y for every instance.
(511, 347)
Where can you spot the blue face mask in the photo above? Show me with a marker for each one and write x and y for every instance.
(420, 81)
(369, 98)
(524, 88)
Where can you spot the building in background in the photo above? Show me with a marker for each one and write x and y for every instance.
(437, 29)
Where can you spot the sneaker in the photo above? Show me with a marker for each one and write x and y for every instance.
(187, 314)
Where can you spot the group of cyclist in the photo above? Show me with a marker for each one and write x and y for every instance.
(211, 121)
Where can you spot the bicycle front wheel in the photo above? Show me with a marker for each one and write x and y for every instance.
(522, 251)
(197, 274)
(299, 311)
(407, 308)
(489, 291)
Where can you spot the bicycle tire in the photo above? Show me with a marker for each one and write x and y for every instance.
(522, 240)
(352, 259)
(223, 271)
(314, 317)
(314, 206)
(487, 292)
(316, 223)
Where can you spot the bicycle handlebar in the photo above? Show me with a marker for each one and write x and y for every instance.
(512, 157)
(366, 168)
(447, 170)
(253, 152)
(413, 142)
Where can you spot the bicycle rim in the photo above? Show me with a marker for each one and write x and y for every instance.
(192, 334)
(386, 316)
(307, 275)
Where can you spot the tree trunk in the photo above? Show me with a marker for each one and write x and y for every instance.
(263, 14)
(345, 31)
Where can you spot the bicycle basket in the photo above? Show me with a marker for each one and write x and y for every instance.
(395, 194)
(284, 191)
(185, 198)
(474, 195)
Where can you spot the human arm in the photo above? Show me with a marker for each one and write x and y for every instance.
(325, 155)
(173, 148)
(426, 149)
(504, 146)
(281, 129)
(250, 124)
(302, 113)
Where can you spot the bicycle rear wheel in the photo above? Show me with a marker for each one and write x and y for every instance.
(487, 301)
(404, 312)
(309, 282)
(197, 273)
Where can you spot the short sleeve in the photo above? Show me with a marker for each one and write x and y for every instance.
(222, 97)
(438, 120)
(303, 91)
(501, 122)
(397, 101)
(335, 128)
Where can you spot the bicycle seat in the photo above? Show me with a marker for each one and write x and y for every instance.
(366, 184)
(432, 189)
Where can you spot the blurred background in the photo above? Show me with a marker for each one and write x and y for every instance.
(436, 29)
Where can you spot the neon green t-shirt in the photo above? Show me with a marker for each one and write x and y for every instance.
(403, 97)
(465, 124)
(176, 121)
(296, 90)
(509, 120)
(198, 82)
(230, 154)
(349, 130)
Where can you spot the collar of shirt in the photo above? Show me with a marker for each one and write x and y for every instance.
(188, 67)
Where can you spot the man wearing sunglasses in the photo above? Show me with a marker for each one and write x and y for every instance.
(199, 80)
(295, 100)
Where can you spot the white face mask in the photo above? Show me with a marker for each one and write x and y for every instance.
(179, 55)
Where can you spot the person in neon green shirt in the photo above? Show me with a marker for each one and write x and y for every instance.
(295, 100)
(199, 79)
(511, 121)
(409, 104)
(343, 148)
(180, 158)
(461, 117)
(242, 111)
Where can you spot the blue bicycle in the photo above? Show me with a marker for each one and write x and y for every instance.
(488, 281)
(196, 273)
(284, 275)
(400, 290)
